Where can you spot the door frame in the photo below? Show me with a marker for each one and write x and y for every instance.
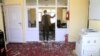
(37, 6)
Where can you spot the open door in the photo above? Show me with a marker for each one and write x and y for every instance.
(13, 23)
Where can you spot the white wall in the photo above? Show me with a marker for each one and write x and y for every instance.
(1, 19)
(94, 9)
(94, 14)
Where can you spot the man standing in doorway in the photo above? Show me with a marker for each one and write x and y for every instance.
(46, 24)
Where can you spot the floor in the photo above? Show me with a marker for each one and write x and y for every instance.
(41, 49)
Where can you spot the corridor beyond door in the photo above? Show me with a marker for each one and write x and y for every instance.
(51, 31)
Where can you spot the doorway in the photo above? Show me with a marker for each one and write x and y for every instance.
(51, 32)
(58, 28)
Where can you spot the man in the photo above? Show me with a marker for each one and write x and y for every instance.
(46, 24)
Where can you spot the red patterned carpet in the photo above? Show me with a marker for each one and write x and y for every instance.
(40, 49)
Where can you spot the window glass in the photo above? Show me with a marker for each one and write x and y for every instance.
(32, 17)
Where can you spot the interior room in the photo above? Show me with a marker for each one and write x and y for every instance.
(49, 28)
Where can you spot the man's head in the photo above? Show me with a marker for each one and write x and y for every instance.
(45, 11)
